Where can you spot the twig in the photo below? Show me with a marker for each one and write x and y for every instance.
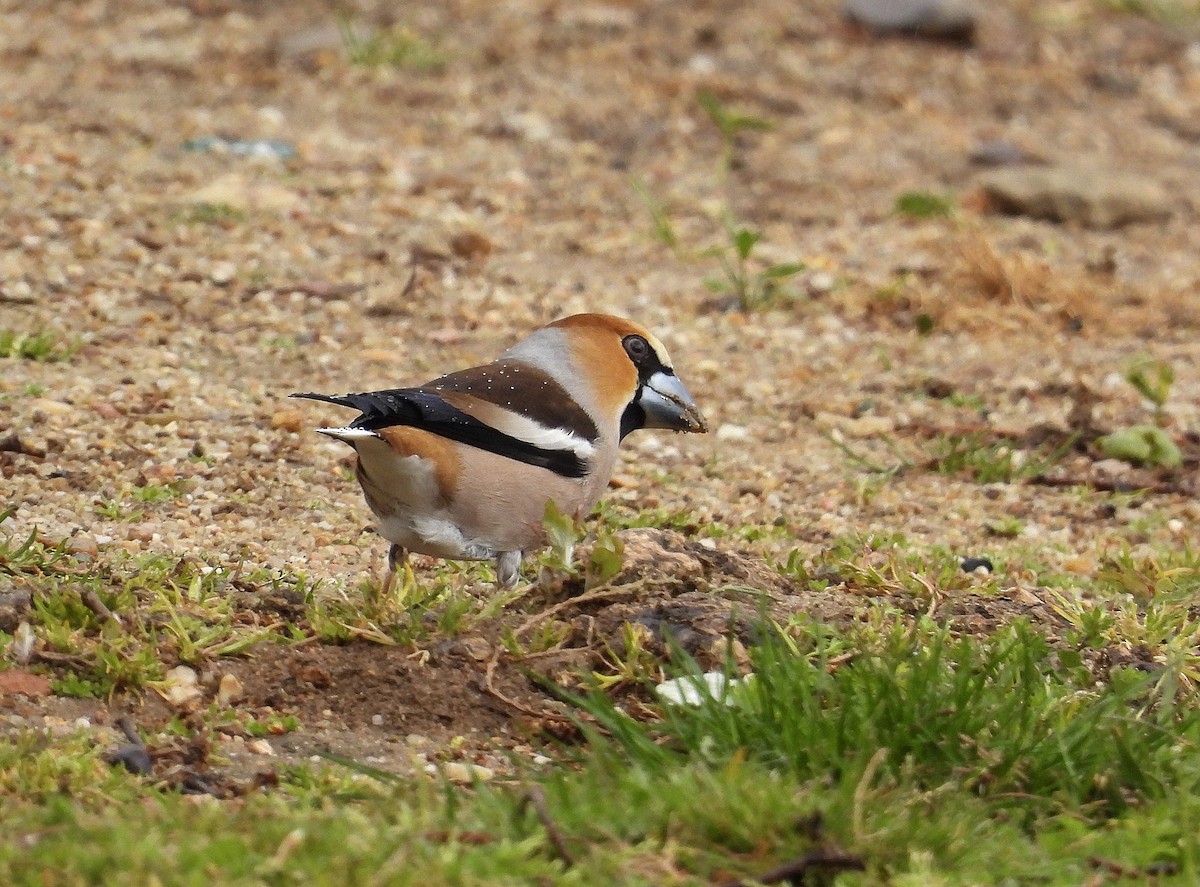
(599, 594)
(1163, 488)
(873, 467)
(489, 686)
(857, 814)
(536, 799)
(72, 660)
(411, 285)
(126, 726)
(92, 601)
(794, 870)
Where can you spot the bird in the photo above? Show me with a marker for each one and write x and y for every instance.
(465, 466)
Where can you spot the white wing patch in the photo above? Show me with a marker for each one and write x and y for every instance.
(349, 435)
(538, 435)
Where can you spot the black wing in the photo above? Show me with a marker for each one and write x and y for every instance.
(420, 408)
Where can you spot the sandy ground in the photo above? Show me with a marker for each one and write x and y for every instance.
(432, 215)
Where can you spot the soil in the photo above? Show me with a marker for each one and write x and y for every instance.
(433, 213)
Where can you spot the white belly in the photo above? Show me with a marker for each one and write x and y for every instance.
(403, 493)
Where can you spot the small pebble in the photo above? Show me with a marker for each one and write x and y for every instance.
(260, 747)
(229, 690)
(222, 273)
(463, 774)
(733, 433)
(1080, 566)
(23, 642)
(377, 720)
(180, 686)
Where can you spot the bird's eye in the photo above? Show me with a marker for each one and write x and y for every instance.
(637, 348)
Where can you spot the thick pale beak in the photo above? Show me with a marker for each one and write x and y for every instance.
(668, 404)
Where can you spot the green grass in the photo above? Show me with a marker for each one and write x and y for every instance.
(748, 283)
(927, 754)
(34, 346)
(225, 215)
(1179, 13)
(986, 460)
(923, 205)
(930, 759)
(396, 47)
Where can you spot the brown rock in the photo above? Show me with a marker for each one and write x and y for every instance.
(287, 420)
(15, 682)
(1094, 198)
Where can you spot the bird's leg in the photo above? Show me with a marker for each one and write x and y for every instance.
(397, 556)
(508, 568)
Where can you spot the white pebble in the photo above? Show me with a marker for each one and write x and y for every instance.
(695, 690)
(729, 433)
(464, 774)
(222, 273)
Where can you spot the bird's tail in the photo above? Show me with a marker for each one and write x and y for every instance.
(342, 400)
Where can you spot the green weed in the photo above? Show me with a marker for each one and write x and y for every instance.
(752, 285)
(397, 47)
(755, 288)
(986, 460)
(225, 215)
(34, 346)
(992, 715)
(1146, 444)
(923, 205)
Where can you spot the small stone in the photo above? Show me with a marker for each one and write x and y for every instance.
(377, 720)
(260, 747)
(1091, 197)
(729, 433)
(23, 642)
(52, 407)
(1112, 468)
(821, 282)
(937, 19)
(1080, 566)
(477, 648)
(229, 690)
(445, 336)
(222, 273)
(238, 191)
(1175, 526)
(695, 690)
(180, 686)
(287, 420)
(869, 426)
(465, 774)
(15, 682)
(471, 245)
(83, 544)
(1000, 152)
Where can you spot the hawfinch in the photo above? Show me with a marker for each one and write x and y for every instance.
(463, 467)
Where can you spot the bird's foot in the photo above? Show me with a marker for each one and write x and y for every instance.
(397, 562)
(508, 569)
